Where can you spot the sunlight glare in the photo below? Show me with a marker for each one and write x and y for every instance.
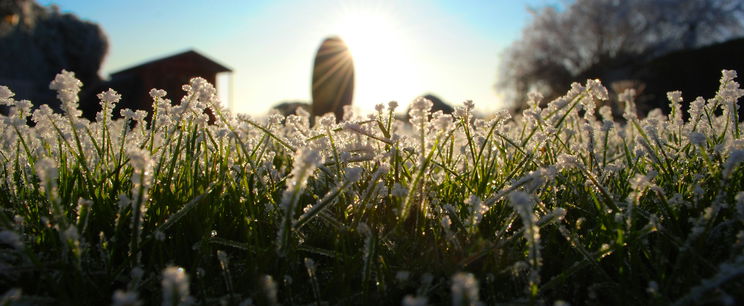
(382, 59)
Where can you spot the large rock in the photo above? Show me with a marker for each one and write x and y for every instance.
(437, 105)
(38, 42)
(290, 108)
(333, 78)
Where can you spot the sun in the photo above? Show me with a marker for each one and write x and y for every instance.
(382, 55)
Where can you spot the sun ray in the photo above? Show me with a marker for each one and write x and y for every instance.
(382, 54)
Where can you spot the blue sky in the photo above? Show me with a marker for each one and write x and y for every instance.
(448, 48)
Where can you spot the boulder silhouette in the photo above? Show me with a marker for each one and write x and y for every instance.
(290, 108)
(38, 42)
(437, 105)
(333, 78)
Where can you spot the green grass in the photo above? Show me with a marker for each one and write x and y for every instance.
(549, 206)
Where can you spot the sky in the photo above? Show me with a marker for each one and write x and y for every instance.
(401, 49)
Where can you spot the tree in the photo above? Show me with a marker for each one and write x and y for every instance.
(608, 38)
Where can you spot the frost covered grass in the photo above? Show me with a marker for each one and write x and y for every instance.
(558, 205)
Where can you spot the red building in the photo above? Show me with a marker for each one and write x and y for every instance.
(168, 73)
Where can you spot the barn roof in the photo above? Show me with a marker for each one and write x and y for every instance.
(190, 57)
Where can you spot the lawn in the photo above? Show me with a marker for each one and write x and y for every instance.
(566, 203)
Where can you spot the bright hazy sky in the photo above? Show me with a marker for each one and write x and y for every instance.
(448, 48)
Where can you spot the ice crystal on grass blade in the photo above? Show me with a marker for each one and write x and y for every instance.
(697, 138)
(675, 104)
(11, 296)
(555, 215)
(6, 95)
(199, 95)
(108, 99)
(477, 209)
(464, 111)
(729, 92)
(564, 174)
(524, 205)
(141, 180)
(125, 298)
(734, 159)
(270, 290)
(141, 162)
(175, 285)
(419, 112)
(139, 159)
(71, 235)
(628, 98)
(11, 238)
(368, 251)
(696, 109)
(402, 276)
(410, 300)
(353, 174)
(67, 87)
(47, 171)
(399, 190)
(740, 205)
(305, 162)
(442, 122)
(566, 161)
(464, 290)
(157, 93)
(596, 90)
(729, 89)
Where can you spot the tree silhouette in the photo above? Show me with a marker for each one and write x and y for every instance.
(608, 38)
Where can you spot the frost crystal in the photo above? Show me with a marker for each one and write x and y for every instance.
(477, 209)
(392, 105)
(125, 298)
(736, 157)
(353, 174)
(521, 201)
(46, 169)
(697, 138)
(67, 87)
(305, 161)
(639, 182)
(157, 93)
(420, 111)
(442, 122)
(11, 238)
(410, 300)
(108, 99)
(740, 204)
(5, 95)
(566, 161)
(139, 159)
(596, 90)
(109, 96)
(175, 285)
(696, 108)
(464, 289)
(399, 190)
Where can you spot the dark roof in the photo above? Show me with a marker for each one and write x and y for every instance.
(188, 56)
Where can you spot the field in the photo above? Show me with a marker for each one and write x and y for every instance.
(562, 204)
